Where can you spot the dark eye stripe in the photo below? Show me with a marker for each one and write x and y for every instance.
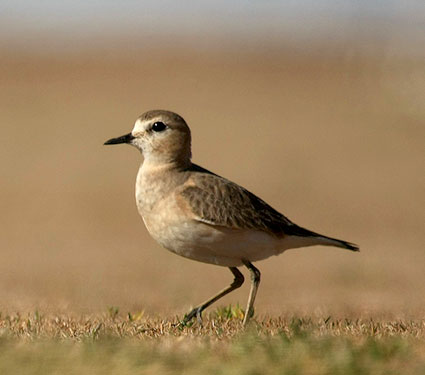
(159, 127)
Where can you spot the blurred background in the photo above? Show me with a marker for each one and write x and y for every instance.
(316, 106)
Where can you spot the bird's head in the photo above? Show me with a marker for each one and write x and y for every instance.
(162, 137)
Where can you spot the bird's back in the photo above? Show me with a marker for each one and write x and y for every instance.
(218, 201)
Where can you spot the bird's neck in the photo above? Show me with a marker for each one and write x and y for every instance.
(167, 158)
(154, 165)
(156, 180)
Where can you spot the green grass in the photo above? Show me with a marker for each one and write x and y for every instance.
(134, 344)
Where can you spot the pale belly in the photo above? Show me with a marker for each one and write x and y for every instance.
(207, 243)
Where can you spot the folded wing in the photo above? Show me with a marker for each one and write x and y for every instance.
(217, 201)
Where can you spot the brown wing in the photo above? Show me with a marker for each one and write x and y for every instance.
(217, 201)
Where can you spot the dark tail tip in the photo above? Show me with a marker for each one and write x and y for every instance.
(350, 246)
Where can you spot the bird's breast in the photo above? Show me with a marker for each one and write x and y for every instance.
(174, 225)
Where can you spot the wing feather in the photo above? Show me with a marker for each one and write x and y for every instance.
(218, 201)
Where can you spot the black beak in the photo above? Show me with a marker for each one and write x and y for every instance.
(123, 139)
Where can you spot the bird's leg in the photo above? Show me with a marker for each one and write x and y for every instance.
(255, 282)
(197, 311)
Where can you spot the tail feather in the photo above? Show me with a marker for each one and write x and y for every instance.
(328, 241)
(313, 238)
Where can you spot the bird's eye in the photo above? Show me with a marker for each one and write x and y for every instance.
(159, 127)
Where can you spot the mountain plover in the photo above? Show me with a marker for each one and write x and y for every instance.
(202, 216)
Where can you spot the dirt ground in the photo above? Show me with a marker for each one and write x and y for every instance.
(336, 143)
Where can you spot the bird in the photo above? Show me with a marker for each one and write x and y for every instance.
(202, 216)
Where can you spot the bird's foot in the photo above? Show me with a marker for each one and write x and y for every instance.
(248, 315)
(197, 311)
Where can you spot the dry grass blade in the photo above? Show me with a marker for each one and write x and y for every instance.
(223, 323)
(111, 343)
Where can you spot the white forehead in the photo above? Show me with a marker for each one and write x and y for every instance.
(141, 125)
